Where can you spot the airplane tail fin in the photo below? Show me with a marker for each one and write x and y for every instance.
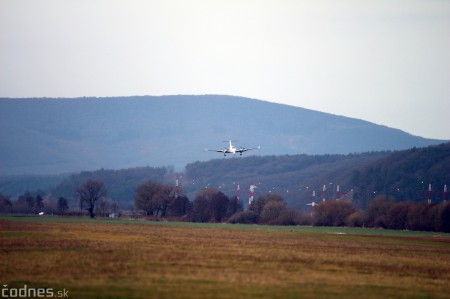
(229, 142)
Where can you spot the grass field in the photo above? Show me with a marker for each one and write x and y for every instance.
(141, 259)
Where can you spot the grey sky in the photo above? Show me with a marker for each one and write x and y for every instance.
(385, 61)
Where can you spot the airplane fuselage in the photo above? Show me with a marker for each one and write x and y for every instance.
(232, 149)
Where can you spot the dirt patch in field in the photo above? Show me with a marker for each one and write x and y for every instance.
(6, 225)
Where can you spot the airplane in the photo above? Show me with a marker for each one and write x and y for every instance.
(232, 149)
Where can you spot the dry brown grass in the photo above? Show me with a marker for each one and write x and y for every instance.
(101, 260)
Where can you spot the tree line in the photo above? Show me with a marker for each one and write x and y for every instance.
(385, 212)
(33, 203)
(91, 197)
(156, 201)
(403, 174)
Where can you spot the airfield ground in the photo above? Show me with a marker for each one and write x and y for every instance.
(141, 259)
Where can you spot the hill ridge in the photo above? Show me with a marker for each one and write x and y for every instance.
(56, 135)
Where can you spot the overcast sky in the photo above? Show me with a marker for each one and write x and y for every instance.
(385, 61)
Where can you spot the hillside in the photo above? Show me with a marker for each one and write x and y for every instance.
(49, 136)
(405, 175)
(401, 174)
(295, 177)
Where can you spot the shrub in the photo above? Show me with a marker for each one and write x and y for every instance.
(416, 217)
(332, 213)
(291, 217)
(377, 211)
(444, 218)
(356, 219)
(245, 217)
(397, 215)
(271, 211)
(258, 205)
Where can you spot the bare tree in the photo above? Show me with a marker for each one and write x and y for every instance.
(210, 205)
(62, 205)
(332, 213)
(5, 204)
(234, 206)
(153, 198)
(38, 204)
(179, 206)
(90, 193)
(29, 199)
(115, 206)
(258, 205)
(103, 207)
(218, 206)
(200, 209)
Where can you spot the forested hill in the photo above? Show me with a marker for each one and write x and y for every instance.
(404, 175)
(407, 174)
(294, 177)
(43, 136)
(400, 174)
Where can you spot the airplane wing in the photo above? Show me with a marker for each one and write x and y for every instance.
(214, 150)
(243, 149)
(223, 151)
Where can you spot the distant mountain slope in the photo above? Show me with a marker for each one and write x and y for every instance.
(44, 136)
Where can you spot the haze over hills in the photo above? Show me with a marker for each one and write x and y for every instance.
(43, 136)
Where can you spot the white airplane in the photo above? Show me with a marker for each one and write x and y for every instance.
(232, 149)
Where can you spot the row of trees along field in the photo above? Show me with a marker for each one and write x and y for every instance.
(91, 198)
(33, 203)
(156, 201)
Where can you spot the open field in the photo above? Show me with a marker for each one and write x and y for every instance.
(138, 259)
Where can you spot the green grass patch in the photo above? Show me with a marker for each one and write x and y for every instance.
(310, 229)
